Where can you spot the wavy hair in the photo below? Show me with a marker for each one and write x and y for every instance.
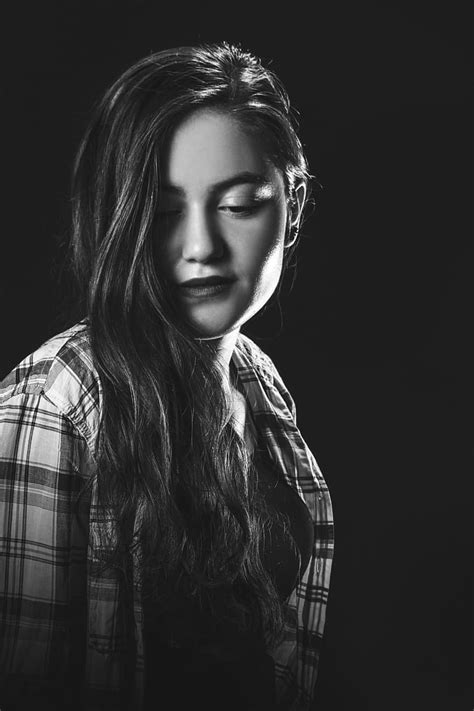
(172, 468)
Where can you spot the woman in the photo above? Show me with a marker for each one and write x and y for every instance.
(167, 534)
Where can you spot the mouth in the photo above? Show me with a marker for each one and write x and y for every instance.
(206, 286)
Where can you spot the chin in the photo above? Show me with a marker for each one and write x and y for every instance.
(216, 325)
(213, 323)
(208, 334)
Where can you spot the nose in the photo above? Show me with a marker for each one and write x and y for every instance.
(201, 241)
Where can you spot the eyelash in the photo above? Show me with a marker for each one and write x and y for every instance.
(236, 210)
(241, 210)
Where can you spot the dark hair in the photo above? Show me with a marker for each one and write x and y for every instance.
(166, 450)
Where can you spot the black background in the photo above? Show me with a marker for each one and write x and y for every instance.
(372, 339)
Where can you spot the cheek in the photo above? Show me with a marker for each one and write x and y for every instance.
(265, 253)
(270, 271)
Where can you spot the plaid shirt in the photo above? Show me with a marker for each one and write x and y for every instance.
(68, 632)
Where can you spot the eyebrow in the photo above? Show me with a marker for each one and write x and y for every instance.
(244, 178)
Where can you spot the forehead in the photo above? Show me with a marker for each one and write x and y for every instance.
(209, 147)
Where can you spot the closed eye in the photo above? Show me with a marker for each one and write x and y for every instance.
(241, 210)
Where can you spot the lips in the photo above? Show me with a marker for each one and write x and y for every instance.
(207, 281)
(206, 286)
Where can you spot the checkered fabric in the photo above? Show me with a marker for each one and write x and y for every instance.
(70, 635)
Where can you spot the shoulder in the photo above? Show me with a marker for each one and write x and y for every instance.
(61, 370)
(249, 355)
(252, 362)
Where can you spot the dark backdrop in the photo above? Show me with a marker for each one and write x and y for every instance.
(372, 339)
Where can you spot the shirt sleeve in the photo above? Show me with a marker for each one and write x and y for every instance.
(43, 548)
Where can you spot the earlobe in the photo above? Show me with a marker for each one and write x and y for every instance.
(295, 212)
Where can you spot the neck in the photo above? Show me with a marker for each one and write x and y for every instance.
(224, 346)
(225, 350)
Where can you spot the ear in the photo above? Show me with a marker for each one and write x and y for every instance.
(295, 211)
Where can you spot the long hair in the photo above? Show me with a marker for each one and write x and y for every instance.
(171, 467)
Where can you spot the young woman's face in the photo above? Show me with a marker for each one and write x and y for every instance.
(221, 223)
